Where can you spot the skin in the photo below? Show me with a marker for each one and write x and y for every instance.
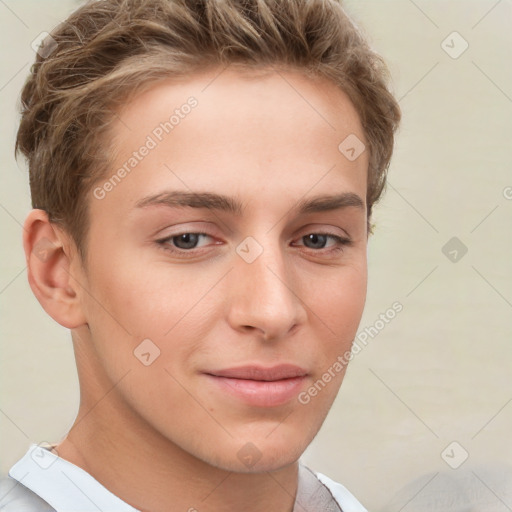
(164, 433)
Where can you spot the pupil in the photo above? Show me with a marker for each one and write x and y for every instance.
(315, 239)
(189, 239)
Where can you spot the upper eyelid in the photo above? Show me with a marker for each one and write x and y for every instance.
(306, 230)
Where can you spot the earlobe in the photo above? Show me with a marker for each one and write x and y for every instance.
(48, 257)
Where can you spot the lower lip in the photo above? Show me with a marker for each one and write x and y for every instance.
(260, 393)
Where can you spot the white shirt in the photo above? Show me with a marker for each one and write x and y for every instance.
(44, 482)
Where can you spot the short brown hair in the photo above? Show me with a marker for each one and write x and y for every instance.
(107, 50)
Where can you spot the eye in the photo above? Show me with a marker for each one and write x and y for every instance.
(318, 241)
(182, 241)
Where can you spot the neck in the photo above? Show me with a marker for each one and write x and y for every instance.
(151, 473)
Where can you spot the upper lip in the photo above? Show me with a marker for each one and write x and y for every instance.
(253, 372)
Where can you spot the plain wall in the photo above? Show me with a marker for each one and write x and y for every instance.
(440, 371)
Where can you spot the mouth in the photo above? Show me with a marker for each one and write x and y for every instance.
(259, 386)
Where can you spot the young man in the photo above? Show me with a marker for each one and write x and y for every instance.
(202, 175)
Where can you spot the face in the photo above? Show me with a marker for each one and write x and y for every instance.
(226, 265)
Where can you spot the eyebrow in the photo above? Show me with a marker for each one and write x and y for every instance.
(211, 201)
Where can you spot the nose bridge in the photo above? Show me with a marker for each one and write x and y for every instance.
(263, 296)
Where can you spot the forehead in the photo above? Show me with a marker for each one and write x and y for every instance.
(274, 131)
(227, 94)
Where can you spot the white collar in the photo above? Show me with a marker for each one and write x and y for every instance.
(68, 488)
(64, 486)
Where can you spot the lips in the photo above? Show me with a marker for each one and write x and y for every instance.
(258, 386)
(280, 372)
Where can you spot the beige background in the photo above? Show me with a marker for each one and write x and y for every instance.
(441, 370)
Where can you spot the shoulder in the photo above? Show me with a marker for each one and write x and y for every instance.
(317, 492)
(15, 497)
(480, 487)
(347, 500)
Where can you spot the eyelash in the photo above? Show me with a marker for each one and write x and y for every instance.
(164, 243)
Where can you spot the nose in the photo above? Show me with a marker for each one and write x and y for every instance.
(265, 292)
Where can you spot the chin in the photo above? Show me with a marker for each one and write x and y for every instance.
(258, 457)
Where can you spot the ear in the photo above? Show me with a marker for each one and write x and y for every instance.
(49, 253)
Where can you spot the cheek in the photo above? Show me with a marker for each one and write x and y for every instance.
(337, 302)
(338, 307)
(139, 295)
(133, 300)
